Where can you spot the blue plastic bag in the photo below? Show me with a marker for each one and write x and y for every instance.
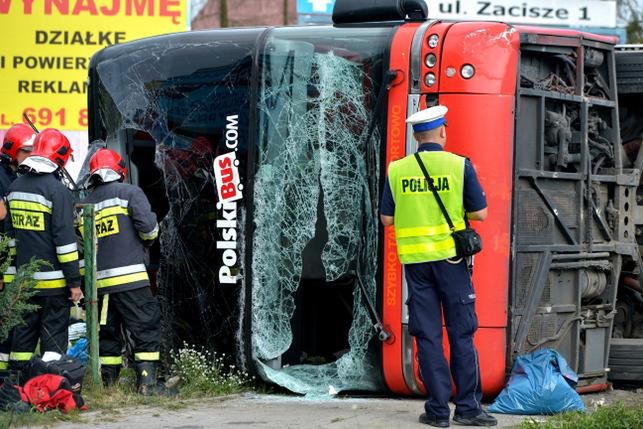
(79, 350)
(541, 383)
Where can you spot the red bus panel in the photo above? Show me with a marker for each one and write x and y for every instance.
(392, 361)
(481, 127)
(491, 48)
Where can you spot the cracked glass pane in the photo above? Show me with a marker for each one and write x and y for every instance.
(316, 229)
(270, 278)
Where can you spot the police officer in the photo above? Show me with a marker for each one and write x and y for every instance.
(40, 210)
(125, 225)
(438, 282)
(16, 145)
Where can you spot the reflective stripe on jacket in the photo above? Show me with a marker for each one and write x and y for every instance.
(124, 222)
(41, 225)
(421, 230)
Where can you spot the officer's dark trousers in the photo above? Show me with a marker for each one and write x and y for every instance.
(48, 324)
(138, 311)
(437, 288)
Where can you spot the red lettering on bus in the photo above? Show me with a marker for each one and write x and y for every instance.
(225, 162)
(228, 191)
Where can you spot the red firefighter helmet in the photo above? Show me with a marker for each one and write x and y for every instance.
(18, 137)
(52, 145)
(107, 159)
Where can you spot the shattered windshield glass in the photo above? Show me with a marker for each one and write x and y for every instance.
(315, 223)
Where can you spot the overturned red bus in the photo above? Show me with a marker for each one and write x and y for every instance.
(281, 269)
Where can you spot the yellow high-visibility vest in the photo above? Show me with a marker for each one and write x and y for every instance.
(421, 231)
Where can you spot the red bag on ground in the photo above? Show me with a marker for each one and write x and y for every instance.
(51, 392)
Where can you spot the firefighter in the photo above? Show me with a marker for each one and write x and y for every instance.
(16, 145)
(438, 282)
(40, 222)
(125, 225)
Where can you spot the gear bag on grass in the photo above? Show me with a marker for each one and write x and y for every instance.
(541, 383)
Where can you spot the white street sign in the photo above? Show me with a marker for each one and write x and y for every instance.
(585, 13)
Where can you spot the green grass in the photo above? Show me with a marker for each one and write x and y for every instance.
(615, 416)
(37, 419)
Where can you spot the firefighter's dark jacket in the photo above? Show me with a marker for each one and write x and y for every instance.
(6, 177)
(40, 222)
(124, 224)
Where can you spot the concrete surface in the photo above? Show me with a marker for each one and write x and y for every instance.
(272, 411)
(277, 411)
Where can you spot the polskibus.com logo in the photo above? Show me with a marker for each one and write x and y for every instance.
(229, 191)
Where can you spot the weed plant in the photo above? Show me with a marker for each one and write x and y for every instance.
(14, 296)
(207, 373)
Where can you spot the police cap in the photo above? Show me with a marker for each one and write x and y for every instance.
(428, 119)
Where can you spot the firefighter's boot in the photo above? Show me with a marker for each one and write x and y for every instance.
(18, 372)
(146, 383)
(110, 374)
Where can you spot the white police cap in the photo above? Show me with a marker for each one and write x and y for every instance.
(428, 119)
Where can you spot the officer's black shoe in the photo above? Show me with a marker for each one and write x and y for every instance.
(432, 420)
(482, 419)
(110, 374)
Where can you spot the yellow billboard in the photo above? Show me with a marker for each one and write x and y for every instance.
(46, 45)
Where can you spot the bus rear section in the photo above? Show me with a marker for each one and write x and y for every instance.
(536, 112)
(626, 350)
